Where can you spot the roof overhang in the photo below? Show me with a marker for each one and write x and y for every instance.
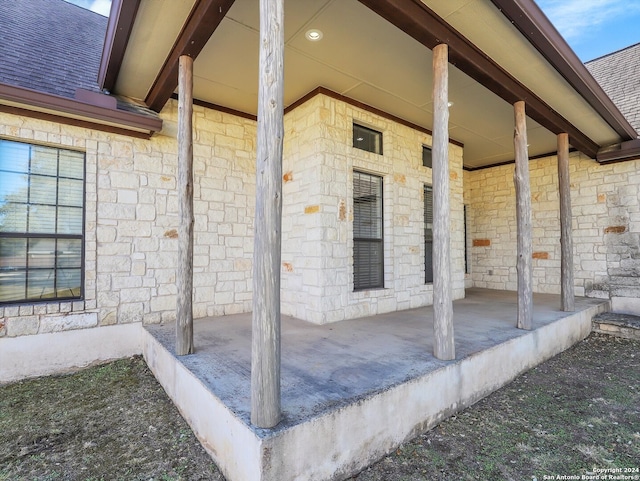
(502, 51)
(99, 115)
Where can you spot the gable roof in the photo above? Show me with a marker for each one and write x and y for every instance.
(619, 75)
(55, 57)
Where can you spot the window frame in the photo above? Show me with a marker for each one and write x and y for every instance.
(375, 134)
(430, 150)
(56, 268)
(428, 261)
(379, 241)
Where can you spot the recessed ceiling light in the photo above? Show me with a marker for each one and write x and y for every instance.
(360, 139)
(314, 35)
(449, 104)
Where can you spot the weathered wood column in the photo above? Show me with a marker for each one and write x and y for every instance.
(567, 296)
(265, 352)
(523, 214)
(444, 345)
(184, 275)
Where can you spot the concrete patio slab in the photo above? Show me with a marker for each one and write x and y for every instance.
(353, 390)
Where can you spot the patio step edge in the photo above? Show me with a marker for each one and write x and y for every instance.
(617, 324)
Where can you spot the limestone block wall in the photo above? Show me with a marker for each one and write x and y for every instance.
(132, 219)
(606, 226)
(138, 220)
(317, 274)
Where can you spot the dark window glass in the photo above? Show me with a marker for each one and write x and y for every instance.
(367, 139)
(41, 223)
(466, 251)
(426, 157)
(428, 234)
(368, 249)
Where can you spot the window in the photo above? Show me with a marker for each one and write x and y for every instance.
(41, 223)
(368, 249)
(428, 234)
(427, 160)
(367, 139)
(466, 247)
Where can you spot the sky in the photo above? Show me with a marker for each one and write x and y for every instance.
(592, 28)
(99, 6)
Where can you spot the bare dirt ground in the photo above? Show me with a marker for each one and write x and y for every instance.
(574, 414)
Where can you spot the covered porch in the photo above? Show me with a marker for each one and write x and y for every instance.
(352, 390)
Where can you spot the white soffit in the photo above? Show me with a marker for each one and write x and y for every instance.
(487, 28)
(364, 57)
(158, 24)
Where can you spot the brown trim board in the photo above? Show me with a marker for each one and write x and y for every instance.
(629, 150)
(328, 93)
(220, 108)
(532, 23)
(418, 21)
(126, 121)
(72, 121)
(363, 106)
(121, 19)
(203, 20)
(508, 162)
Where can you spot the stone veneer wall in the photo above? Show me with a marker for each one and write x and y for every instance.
(606, 226)
(132, 219)
(317, 276)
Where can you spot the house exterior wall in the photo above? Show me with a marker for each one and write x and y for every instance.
(131, 219)
(606, 227)
(319, 160)
(131, 214)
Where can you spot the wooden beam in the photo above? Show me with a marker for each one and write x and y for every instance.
(424, 25)
(184, 275)
(567, 296)
(523, 217)
(265, 349)
(444, 346)
(203, 20)
(121, 19)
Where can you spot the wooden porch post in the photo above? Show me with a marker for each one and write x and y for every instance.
(184, 275)
(567, 297)
(265, 351)
(444, 346)
(523, 214)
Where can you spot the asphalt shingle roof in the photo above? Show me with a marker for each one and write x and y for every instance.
(50, 45)
(619, 75)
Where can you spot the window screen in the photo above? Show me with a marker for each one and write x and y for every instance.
(367, 139)
(368, 255)
(428, 234)
(41, 222)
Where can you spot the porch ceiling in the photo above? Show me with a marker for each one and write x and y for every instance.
(365, 57)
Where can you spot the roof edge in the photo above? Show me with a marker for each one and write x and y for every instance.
(615, 52)
(121, 19)
(28, 99)
(527, 17)
(622, 152)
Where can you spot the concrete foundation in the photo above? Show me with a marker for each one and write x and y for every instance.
(354, 390)
(59, 352)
